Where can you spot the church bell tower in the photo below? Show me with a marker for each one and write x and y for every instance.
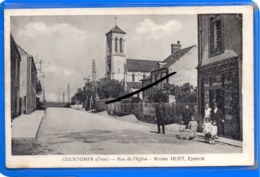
(115, 53)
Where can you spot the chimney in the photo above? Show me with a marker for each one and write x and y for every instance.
(175, 47)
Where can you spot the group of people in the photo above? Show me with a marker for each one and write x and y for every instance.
(213, 123)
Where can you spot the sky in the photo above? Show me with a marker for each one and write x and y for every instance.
(68, 44)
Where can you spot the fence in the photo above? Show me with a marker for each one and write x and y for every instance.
(144, 111)
(101, 105)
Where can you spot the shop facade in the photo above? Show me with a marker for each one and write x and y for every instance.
(220, 69)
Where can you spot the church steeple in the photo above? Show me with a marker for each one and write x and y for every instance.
(115, 56)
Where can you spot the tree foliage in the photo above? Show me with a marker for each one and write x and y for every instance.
(158, 95)
(185, 93)
(109, 89)
(38, 87)
(79, 97)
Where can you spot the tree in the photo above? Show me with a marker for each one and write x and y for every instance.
(79, 97)
(109, 89)
(38, 87)
(158, 95)
(185, 93)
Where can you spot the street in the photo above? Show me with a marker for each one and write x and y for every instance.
(68, 131)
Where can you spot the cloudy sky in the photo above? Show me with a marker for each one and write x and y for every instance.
(68, 44)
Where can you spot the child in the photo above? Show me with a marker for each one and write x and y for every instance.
(193, 125)
(214, 131)
(207, 129)
(184, 133)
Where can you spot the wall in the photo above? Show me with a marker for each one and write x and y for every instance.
(185, 68)
(28, 83)
(145, 111)
(118, 67)
(225, 65)
(15, 78)
(232, 38)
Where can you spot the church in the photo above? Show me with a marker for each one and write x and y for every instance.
(128, 71)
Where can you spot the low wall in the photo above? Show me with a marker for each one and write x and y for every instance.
(144, 111)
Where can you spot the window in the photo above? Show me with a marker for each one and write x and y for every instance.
(133, 77)
(216, 36)
(121, 45)
(143, 76)
(116, 41)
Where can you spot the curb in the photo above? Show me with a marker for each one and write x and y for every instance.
(219, 141)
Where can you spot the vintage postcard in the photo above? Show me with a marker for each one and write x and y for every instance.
(129, 87)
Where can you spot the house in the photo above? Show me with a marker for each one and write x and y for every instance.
(136, 70)
(183, 61)
(28, 82)
(220, 68)
(15, 79)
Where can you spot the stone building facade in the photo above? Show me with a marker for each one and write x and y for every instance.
(220, 68)
(15, 79)
(28, 81)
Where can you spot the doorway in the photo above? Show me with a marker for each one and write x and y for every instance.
(216, 95)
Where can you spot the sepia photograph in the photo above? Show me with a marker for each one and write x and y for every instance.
(134, 87)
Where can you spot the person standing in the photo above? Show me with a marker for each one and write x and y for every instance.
(160, 115)
(207, 111)
(217, 115)
(186, 115)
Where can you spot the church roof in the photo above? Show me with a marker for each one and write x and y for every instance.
(135, 65)
(175, 57)
(135, 85)
(116, 29)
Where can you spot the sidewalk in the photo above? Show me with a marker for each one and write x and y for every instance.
(25, 127)
(173, 128)
(224, 140)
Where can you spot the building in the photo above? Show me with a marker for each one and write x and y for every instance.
(28, 82)
(115, 54)
(15, 79)
(183, 61)
(129, 72)
(220, 68)
(136, 70)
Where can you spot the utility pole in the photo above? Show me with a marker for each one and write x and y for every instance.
(42, 76)
(68, 92)
(40, 64)
(63, 97)
(94, 76)
(93, 71)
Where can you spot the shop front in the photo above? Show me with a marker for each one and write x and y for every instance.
(219, 82)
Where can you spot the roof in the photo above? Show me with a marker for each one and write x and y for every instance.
(116, 29)
(22, 52)
(176, 56)
(135, 85)
(15, 46)
(141, 65)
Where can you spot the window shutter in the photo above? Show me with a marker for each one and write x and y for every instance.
(211, 36)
